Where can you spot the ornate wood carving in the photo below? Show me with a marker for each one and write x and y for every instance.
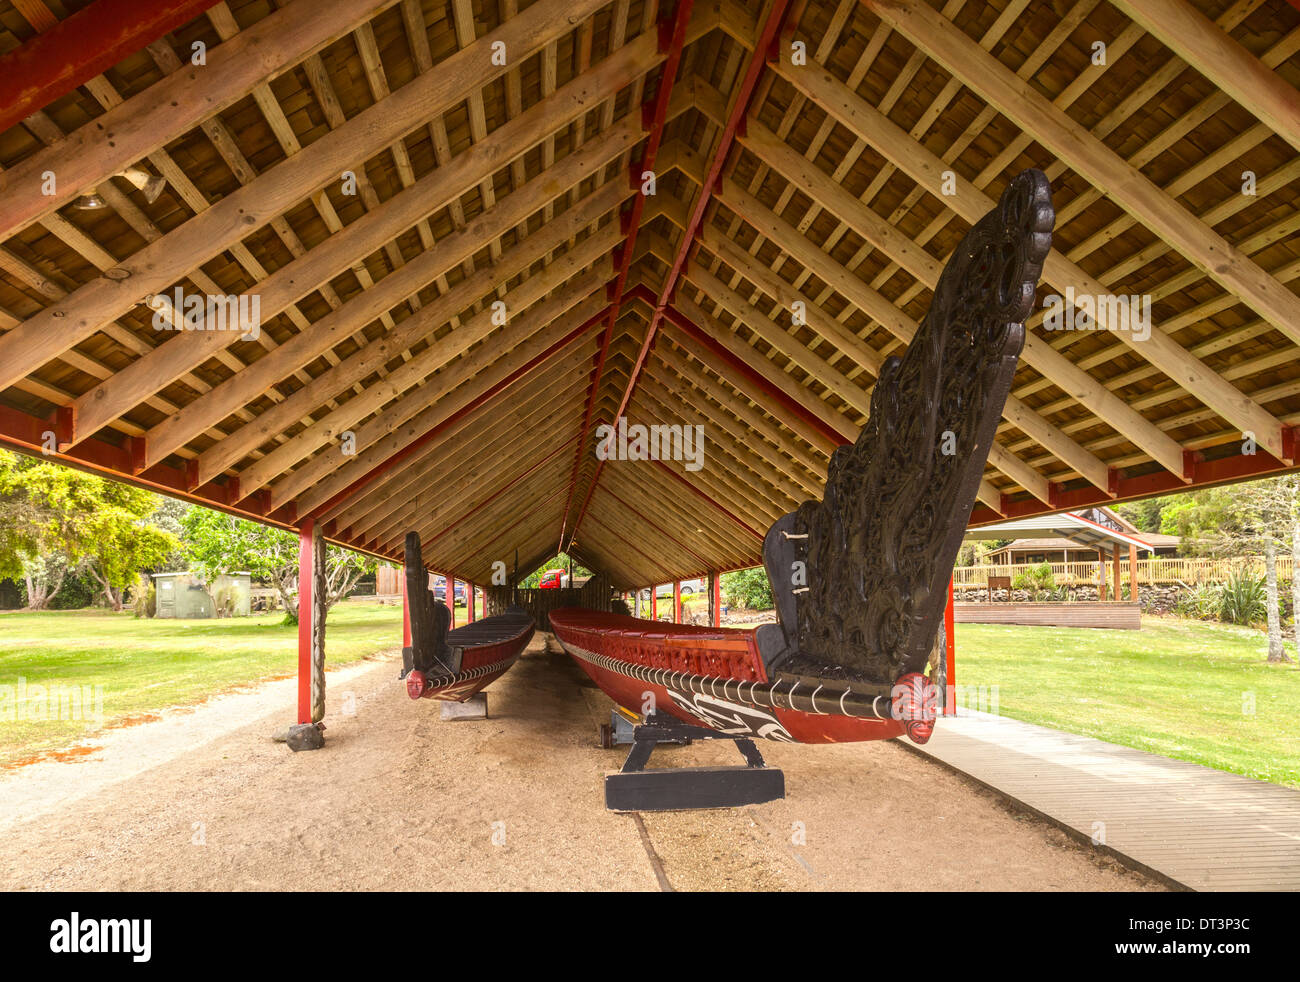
(430, 618)
(320, 608)
(860, 577)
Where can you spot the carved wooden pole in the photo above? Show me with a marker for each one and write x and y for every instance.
(654, 602)
(715, 607)
(1133, 572)
(319, 607)
(677, 601)
(306, 539)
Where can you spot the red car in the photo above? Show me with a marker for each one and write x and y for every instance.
(553, 579)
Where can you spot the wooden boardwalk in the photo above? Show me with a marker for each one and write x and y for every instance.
(1190, 826)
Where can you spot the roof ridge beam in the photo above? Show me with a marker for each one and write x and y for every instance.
(744, 93)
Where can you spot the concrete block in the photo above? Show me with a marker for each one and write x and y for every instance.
(475, 707)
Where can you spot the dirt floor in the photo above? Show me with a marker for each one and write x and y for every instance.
(399, 799)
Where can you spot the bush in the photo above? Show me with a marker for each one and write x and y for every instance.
(146, 601)
(748, 588)
(1200, 602)
(225, 600)
(1241, 598)
(1035, 578)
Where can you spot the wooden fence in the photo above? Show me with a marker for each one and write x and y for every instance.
(1150, 571)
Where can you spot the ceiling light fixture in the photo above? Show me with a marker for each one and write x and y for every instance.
(151, 184)
(89, 202)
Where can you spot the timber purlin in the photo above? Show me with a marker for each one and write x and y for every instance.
(776, 182)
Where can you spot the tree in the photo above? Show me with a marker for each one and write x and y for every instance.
(1256, 518)
(219, 543)
(560, 561)
(55, 520)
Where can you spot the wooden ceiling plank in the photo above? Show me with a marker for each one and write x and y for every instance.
(155, 267)
(1093, 160)
(1212, 52)
(970, 203)
(333, 328)
(164, 111)
(531, 313)
(399, 427)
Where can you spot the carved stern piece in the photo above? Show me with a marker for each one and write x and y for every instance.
(860, 577)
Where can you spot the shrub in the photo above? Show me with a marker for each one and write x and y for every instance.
(748, 588)
(1035, 579)
(146, 601)
(1241, 598)
(225, 600)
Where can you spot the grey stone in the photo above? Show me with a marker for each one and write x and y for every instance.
(306, 736)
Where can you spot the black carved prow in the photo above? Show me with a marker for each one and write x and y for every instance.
(860, 578)
(430, 618)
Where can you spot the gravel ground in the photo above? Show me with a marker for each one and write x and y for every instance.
(398, 799)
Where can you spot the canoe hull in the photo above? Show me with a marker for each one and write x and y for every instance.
(715, 677)
(487, 650)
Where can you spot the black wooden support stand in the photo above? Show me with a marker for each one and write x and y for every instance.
(680, 788)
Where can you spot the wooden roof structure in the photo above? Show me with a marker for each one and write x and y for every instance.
(442, 207)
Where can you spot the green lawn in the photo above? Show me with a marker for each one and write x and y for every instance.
(147, 665)
(1179, 688)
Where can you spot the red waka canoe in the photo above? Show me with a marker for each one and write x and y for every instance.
(714, 677)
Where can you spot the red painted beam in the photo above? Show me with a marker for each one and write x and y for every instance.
(25, 434)
(752, 377)
(740, 108)
(672, 30)
(701, 494)
(541, 461)
(76, 49)
(1203, 473)
(655, 525)
(430, 434)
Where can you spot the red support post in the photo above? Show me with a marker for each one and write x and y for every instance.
(677, 601)
(715, 588)
(654, 602)
(950, 666)
(305, 612)
(469, 598)
(449, 584)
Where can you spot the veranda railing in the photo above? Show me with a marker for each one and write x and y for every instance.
(1150, 571)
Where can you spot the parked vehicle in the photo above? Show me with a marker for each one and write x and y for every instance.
(689, 588)
(440, 590)
(554, 579)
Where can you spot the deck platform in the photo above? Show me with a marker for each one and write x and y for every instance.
(1193, 827)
